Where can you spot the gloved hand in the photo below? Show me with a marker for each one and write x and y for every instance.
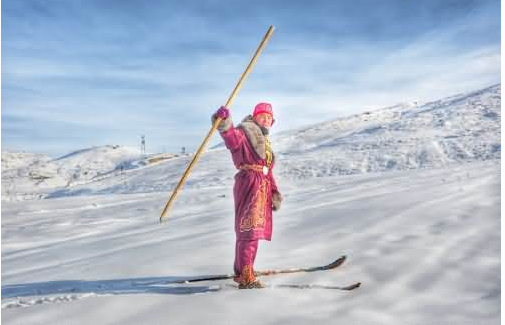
(224, 114)
(276, 201)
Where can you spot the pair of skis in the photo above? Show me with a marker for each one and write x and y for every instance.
(333, 265)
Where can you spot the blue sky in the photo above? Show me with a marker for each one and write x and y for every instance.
(80, 73)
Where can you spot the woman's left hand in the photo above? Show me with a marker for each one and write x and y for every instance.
(276, 201)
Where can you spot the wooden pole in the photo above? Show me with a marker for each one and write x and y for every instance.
(217, 121)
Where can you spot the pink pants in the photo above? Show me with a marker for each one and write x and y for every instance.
(245, 254)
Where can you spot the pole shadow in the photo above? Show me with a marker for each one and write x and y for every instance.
(157, 285)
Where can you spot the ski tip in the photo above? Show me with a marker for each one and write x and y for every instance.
(352, 286)
(338, 261)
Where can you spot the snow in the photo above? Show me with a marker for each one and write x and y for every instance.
(421, 234)
(30, 176)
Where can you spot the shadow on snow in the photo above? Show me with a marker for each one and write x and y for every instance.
(159, 285)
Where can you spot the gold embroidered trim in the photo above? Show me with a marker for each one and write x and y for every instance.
(247, 276)
(255, 216)
(258, 168)
(268, 151)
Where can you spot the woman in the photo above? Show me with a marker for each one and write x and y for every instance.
(255, 191)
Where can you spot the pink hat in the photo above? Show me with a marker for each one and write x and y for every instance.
(263, 108)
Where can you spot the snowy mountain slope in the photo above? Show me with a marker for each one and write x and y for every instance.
(87, 164)
(453, 130)
(18, 160)
(27, 175)
(460, 128)
(425, 243)
(456, 129)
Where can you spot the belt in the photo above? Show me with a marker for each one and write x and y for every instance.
(257, 168)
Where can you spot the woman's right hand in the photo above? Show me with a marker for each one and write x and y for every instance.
(223, 113)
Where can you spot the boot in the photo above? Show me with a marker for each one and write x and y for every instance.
(252, 285)
(247, 279)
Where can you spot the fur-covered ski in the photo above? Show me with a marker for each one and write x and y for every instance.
(331, 266)
(307, 286)
(318, 286)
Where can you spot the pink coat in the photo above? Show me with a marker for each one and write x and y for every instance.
(252, 190)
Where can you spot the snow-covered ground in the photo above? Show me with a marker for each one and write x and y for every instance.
(421, 234)
(424, 243)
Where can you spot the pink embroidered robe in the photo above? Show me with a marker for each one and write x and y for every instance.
(252, 190)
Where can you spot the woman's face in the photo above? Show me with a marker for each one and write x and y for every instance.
(264, 119)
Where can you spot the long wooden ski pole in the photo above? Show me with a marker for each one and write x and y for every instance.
(217, 121)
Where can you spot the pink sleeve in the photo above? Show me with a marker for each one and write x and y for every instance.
(233, 138)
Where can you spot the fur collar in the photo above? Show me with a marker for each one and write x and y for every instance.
(254, 135)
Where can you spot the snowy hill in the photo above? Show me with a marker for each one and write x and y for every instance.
(19, 160)
(27, 176)
(460, 128)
